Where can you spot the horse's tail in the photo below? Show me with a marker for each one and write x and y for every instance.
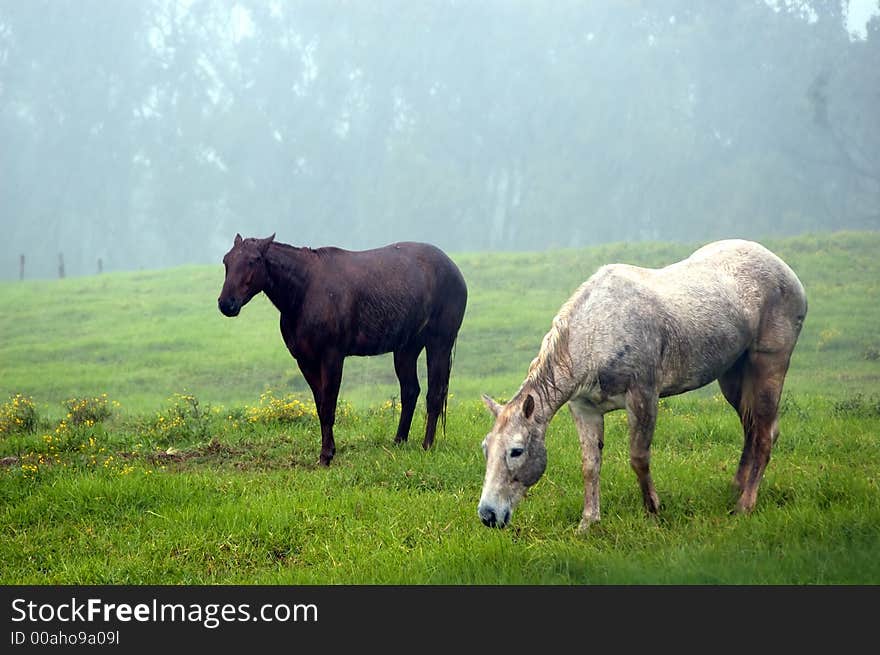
(446, 394)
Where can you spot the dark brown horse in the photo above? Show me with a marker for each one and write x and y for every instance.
(402, 298)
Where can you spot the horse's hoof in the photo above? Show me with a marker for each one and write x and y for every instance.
(652, 504)
(427, 444)
(742, 508)
(583, 529)
(324, 460)
(399, 440)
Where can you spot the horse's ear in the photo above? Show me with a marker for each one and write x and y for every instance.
(493, 407)
(528, 406)
(237, 241)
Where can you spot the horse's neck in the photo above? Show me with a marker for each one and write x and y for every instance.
(550, 393)
(553, 376)
(288, 275)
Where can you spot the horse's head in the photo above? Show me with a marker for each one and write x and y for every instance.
(245, 273)
(515, 457)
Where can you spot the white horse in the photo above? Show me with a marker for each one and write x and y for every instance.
(628, 336)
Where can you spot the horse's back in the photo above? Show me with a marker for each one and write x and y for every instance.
(404, 256)
(429, 273)
(385, 297)
(445, 290)
(684, 324)
(408, 266)
(763, 285)
(745, 261)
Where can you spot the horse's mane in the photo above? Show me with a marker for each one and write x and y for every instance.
(289, 272)
(554, 355)
(287, 251)
(286, 247)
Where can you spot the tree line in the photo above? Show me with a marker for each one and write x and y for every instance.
(148, 133)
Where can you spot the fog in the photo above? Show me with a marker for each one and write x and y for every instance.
(145, 134)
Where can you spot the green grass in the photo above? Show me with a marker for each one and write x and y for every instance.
(208, 488)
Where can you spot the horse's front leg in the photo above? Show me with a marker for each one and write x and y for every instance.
(641, 413)
(324, 378)
(590, 425)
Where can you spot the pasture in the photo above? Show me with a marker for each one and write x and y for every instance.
(172, 445)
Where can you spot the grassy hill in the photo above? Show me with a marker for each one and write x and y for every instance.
(195, 480)
(140, 337)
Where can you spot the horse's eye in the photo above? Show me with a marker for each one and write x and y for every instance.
(516, 452)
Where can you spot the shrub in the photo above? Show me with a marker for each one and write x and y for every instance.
(18, 414)
(88, 411)
(285, 410)
(185, 418)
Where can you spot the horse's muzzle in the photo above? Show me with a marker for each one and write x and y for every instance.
(228, 306)
(490, 519)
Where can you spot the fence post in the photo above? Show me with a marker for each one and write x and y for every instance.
(60, 265)
(21, 267)
(100, 266)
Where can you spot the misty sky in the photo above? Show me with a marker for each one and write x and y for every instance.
(146, 134)
(858, 15)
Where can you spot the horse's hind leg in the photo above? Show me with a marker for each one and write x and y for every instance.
(405, 366)
(762, 380)
(731, 383)
(641, 411)
(439, 354)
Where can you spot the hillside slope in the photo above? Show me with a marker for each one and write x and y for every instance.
(140, 337)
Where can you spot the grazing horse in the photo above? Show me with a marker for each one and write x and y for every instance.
(628, 336)
(402, 298)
